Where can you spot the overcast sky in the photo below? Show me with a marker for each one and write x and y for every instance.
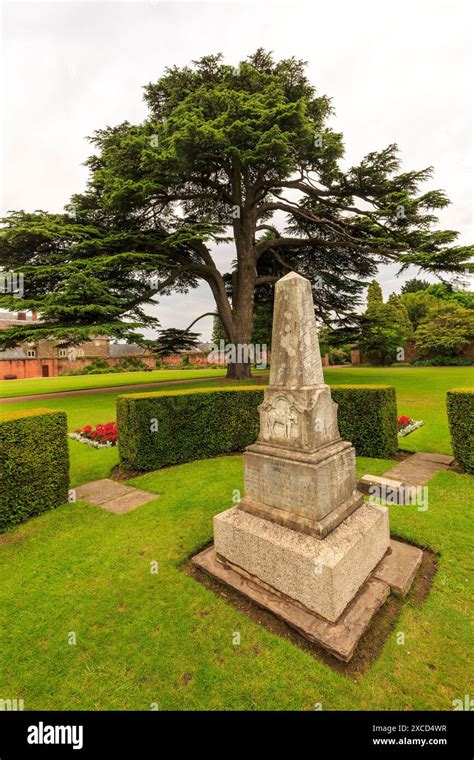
(397, 72)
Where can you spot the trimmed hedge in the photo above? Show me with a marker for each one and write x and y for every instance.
(367, 417)
(34, 464)
(162, 428)
(460, 405)
(190, 425)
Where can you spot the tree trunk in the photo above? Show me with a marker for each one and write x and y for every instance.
(239, 371)
(243, 285)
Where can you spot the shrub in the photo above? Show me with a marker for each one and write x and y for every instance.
(444, 361)
(446, 331)
(367, 417)
(34, 464)
(339, 355)
(97, 367)
(130, 364)
(162, 428)
(460, 404)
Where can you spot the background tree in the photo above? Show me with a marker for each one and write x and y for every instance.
(385, 327)
(446, 292)
(414, 285)
(374, 297)
(173, 341)
(417, 305)
(446, 330)
(400, 313)
(218, 331)
(225, 155)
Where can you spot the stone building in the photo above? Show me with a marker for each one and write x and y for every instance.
(44, 358)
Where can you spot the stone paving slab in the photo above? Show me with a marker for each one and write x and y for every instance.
(128, 501)
(102, 490)
(113, 496)
(366, 481)
(399, 567)
(438, 458)
(419, 468)
(340, 638)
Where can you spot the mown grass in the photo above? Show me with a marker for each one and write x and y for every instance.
(421, 394)
(11, 388)
(164, 638)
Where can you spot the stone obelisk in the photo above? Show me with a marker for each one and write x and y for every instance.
(300, 473)
(302, 542)
(302, 528)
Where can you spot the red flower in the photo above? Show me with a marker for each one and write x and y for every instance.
(102, 433)
(404, 421)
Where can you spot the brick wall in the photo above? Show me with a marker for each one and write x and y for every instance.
(28, 368)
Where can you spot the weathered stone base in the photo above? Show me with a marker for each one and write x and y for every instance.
(339, 638)
(311, 492)
(317, 528)
(323, 575)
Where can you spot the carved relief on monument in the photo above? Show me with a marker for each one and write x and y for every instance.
(280, 420)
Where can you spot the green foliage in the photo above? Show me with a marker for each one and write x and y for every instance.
(447, 293)
(34, 464)
(340, 355)
(161, 429)
(385, 327)
(97, 367)
(173, 341)
(374, 296)
(443, 361)
(367, 417)
(400, 314)
(414, 286)
(131, 364)
(460, 405)
(165, 428)
(263, 323)
(446, 330)
(218, 331)
(417, 305)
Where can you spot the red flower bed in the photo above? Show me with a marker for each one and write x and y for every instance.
(102, 434)
(403, 421)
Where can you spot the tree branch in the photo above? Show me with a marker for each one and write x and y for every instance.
(207, 314)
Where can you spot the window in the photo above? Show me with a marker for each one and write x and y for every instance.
(62, 353)
(80, 352)
(31, 353)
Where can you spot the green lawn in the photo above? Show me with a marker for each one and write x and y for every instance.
(421, 394)
(163, 638)
(10, 388)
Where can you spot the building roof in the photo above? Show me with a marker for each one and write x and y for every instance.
(13, 353)
(125, 349)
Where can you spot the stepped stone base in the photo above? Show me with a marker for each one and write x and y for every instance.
(341, 637)
(323, 575)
